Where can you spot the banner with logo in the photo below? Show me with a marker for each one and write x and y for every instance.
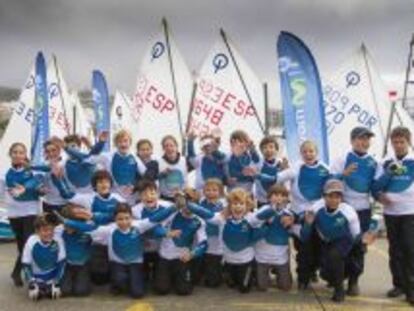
(40, 129)
(303, 110)
(101, 104)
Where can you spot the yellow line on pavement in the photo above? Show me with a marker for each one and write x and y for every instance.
(141, 306)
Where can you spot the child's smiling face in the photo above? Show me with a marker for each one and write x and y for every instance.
(149, 197)
(238, 209)
(46, 233)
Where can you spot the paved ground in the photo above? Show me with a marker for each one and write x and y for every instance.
(374, 284)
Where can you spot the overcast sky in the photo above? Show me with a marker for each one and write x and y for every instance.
(112, 35)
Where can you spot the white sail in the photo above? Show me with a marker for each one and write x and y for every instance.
(121, 116)
(154, 102)
(221, 101)
(83, 126)
(20, 124)
(60, 112)
(355, 96)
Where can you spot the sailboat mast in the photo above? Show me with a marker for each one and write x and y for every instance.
(173, 80)
(249, 97)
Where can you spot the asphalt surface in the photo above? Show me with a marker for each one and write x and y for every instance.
(374, 284)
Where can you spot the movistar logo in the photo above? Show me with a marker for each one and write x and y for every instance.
(298, 87)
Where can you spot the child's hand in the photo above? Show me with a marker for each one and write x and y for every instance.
(17, 191)
(127, 190)
(174, 234)
(166, 171)
(383, 199)
(369, 237)
(186, 256)
(249, 171)
(86, 142)
(103, 136)
(287, 221)
(232, 181)
(350, 169)
(82, 213)
(284, 164)
(309, 217)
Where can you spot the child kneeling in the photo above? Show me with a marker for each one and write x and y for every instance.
(43, 260)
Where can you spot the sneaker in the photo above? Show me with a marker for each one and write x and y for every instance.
(338, 295)
(394, 292)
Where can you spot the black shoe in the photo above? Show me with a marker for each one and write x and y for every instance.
(17, 280)
(410, 300)
(394, 292)
(338, 295)
(353, 289)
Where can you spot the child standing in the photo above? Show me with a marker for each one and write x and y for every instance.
(307, 179)
(173, 169)
(267, 169)
(21, 189)
(177, 252)
(241, 163)
(272, 251)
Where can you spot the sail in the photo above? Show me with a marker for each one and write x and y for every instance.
(163, 91)
(121, 116)
(60, 116)
(82, 125)
(355, 95)
(20, 123)
(229, 96)
(302, 100)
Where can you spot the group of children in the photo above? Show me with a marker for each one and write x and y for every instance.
(131, 220)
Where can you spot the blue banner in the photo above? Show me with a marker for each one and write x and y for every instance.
(101, 104)
(40, 128)
(303, 110)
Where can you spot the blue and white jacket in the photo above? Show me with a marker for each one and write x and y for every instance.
(43, 262)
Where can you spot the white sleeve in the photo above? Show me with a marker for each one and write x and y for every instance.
(141, 167)
(102, 233)
(201, 234)
(27, 250)
(102, 159)
(353, 220)
(62, 250)
(380, 169)
(119, 198)
(143, 224)
(83, 199)
(137, 211)
(252, 218)
(286, 175)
